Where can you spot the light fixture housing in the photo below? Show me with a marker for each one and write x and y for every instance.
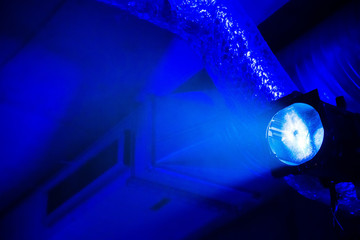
(311, 137)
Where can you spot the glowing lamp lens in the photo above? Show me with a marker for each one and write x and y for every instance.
(295, 134)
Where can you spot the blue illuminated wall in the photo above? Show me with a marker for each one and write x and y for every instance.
(71, 72)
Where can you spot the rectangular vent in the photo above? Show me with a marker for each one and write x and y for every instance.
(129, 145)
(82, 177)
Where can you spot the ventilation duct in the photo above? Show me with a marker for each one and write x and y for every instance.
(234, 53)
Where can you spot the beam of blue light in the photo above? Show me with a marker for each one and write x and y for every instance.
(295, 134)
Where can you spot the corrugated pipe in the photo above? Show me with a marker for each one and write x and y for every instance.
(235, 55)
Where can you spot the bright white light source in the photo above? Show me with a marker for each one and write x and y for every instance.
(295, 134)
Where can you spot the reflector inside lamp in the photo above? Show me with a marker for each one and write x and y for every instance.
(295, 134)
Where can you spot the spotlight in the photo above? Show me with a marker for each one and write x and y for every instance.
(311, 137)
(295, 134)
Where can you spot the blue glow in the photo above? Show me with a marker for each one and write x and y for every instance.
(295, 134)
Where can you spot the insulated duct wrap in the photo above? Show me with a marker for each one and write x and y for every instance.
(237, 58)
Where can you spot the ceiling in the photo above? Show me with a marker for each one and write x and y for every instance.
(69, 71)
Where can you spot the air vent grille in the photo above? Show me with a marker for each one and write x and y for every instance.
(82, 177)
